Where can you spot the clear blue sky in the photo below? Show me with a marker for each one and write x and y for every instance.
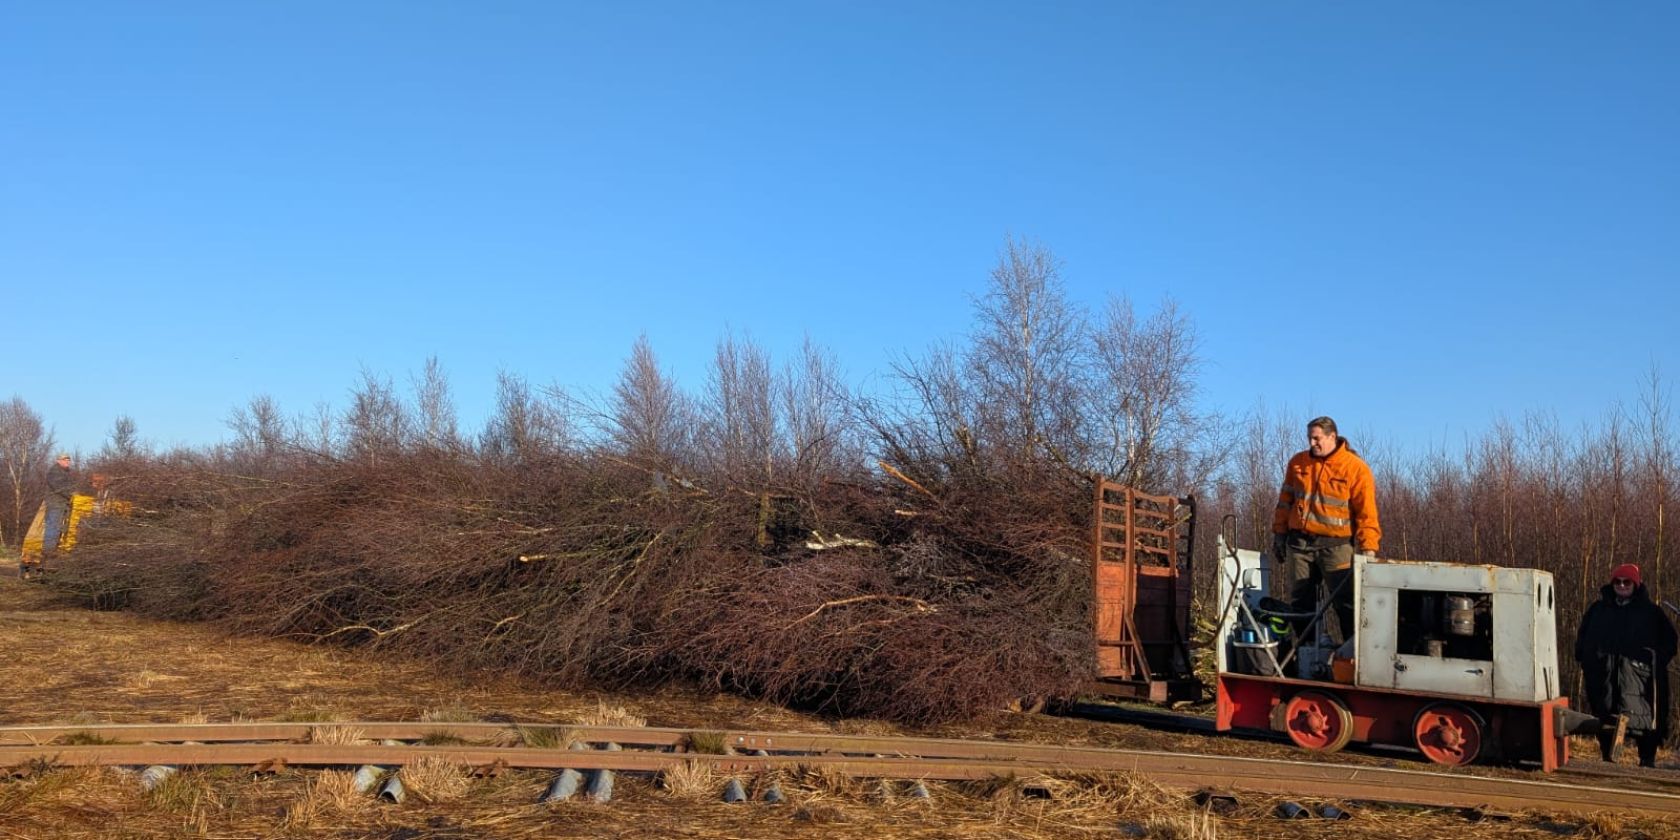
(1415, 216)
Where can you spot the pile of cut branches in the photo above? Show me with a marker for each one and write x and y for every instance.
(588, 571)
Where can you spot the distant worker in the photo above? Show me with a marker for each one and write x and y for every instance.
(1326, 510)
(1624, 647)
(61, 485)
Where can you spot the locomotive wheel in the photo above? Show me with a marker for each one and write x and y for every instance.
(1447, 733)
(1318, 721)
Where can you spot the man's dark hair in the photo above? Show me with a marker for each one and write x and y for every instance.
(1325, 423)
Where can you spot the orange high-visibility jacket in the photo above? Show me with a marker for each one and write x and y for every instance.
(1333, 496)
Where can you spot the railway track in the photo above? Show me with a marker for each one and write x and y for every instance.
(1579, 768)
(649, 749)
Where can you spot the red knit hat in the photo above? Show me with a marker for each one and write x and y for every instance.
(1627, 570)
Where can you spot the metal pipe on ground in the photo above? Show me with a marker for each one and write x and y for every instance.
(367, 777)
(1292, 811)
(392, 790)
(566, 783)
(155, 775)
(601, 784)
(733, 792)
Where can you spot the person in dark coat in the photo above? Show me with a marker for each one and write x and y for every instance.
(61, 484)
(1624, 647)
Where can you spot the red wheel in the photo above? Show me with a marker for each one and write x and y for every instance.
(1448, 733)
(1317, 721)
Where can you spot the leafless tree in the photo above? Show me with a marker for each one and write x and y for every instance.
(1144, 403)
(25, 443)
(927, 428)
(1256, 471)
(122, 443)
(318, 431)
(820, 441)
(436, 408)
(377, 423)
(740, 427)
(526, 427)
(259, 433)
(1615, 451)
(1659, 465)
(651, 419)
(1025, 359)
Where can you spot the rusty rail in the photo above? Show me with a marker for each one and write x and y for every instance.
(647, 750)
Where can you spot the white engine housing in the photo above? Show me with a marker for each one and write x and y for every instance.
(1502, 645)
(1514, 640)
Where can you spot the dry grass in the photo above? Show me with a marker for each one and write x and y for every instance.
(309, 715)
(47, 787)
(691, 780)
(605, 715)
(546, 737)
(83, 738)
(327, 798)
(1067, 801)
(434, 779)
(448, 714)
(187, 792)
(335, 735)
(813, 784)
(1194, 826)
(145, 679)
(708, 743)
(441, 738)
(266, 680)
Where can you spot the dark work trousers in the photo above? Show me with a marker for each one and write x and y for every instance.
(1647, 744)
(1318, 567)
(52, 527)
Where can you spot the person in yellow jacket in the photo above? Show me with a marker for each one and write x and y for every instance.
(1326, 511)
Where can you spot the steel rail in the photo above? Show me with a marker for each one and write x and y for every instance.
(913, 758)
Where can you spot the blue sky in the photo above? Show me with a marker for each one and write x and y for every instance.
(1414, 216)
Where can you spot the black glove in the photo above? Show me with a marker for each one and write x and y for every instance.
(1280, 545)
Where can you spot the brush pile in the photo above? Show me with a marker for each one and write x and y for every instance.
(917, 556)
(589, 571)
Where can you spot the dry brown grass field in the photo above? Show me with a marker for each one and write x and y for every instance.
(68, 664)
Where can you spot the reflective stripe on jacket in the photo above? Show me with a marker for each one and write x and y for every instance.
(1333, 496)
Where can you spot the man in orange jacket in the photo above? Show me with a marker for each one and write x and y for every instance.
(1326, 510)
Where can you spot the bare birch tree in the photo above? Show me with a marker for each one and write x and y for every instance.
(1025, 360)
(817, 429)
(651, 419)
(1144, 400)
(527, 426)
(1659, 464)
(25, 444)
(740, 416)
(435, 406)
(377, 422)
